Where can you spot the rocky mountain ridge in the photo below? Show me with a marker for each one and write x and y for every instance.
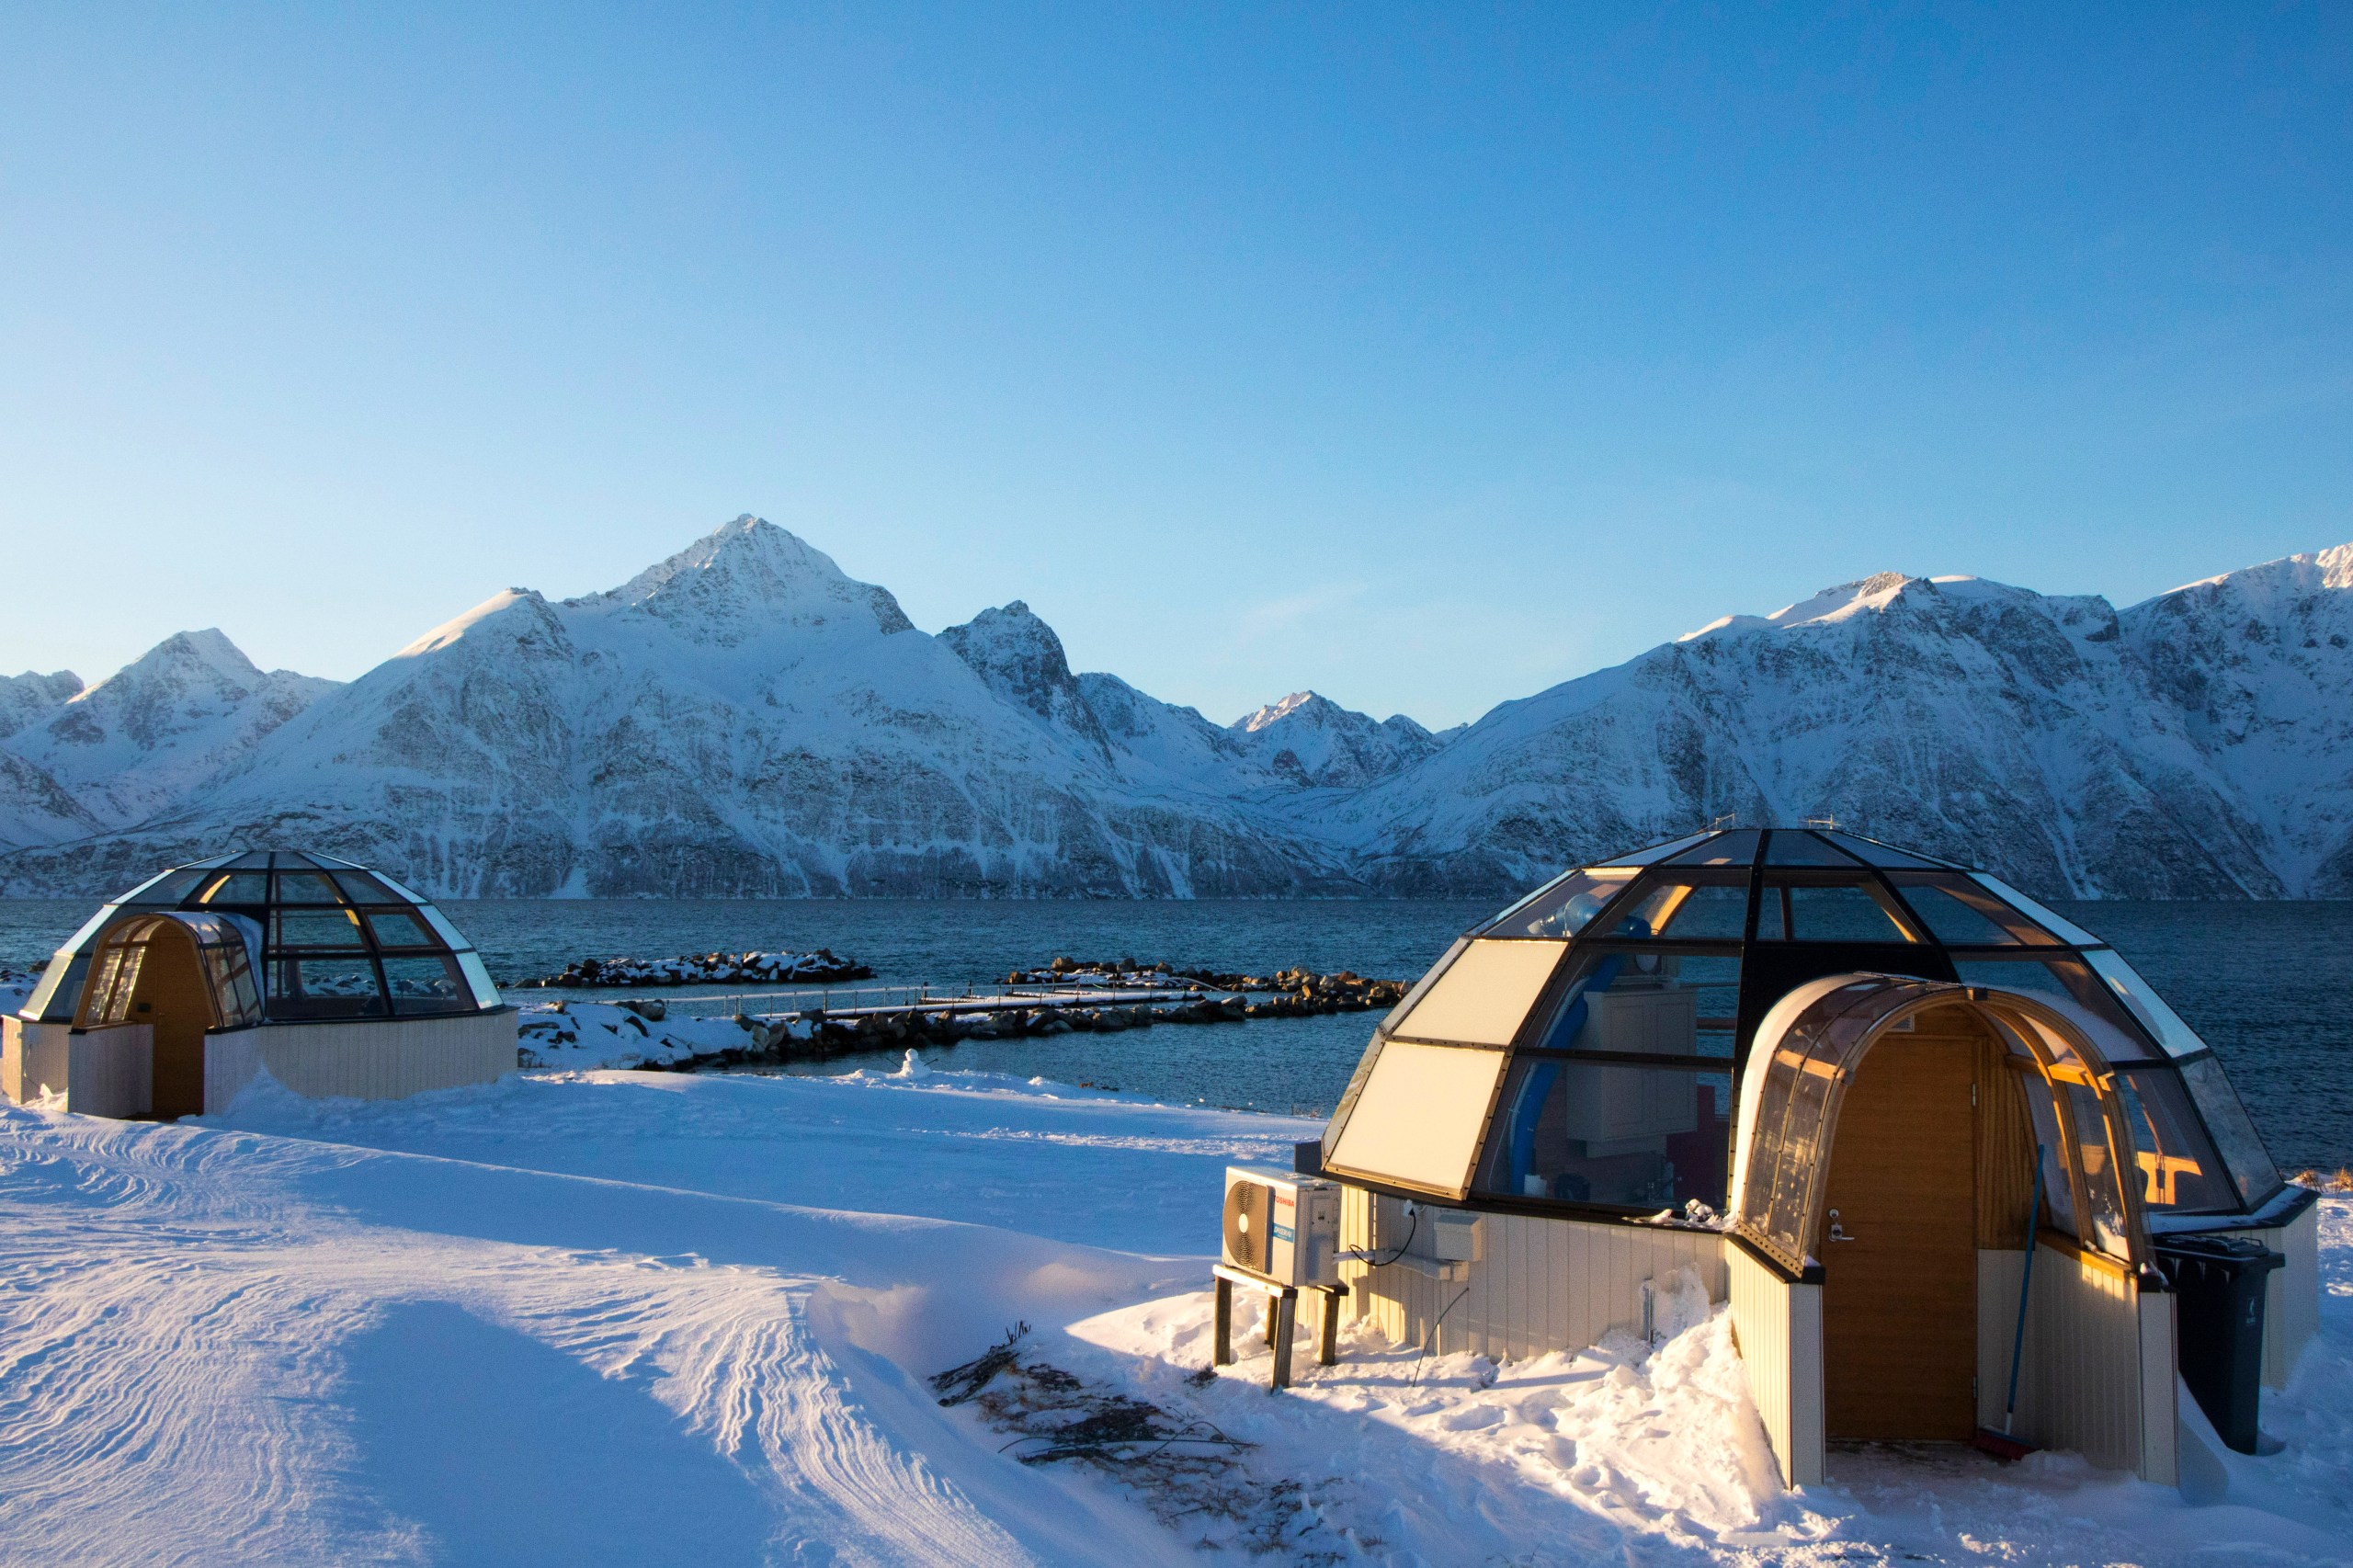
(743, 719)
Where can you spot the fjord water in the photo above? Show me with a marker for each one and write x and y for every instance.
(2267, 983)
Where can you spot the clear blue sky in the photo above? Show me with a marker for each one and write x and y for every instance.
(1424, 356)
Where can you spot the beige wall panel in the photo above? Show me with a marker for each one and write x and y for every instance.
(2291, 1296)
(2081, 1386)
(1417, 1119)
(374, 1061)
(1481, 999)
(111, 1072)
(1542, 1285)
(1778, 1325)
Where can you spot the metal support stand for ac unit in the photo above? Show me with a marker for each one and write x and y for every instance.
(1282, 1309)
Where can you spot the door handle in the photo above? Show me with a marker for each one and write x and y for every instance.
(1838, 1232)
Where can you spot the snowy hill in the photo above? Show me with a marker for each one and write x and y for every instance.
(743, 719)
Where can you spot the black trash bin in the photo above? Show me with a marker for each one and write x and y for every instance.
(2219, 1283)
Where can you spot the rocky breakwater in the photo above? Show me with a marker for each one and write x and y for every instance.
(818, 968)
(1285, 993)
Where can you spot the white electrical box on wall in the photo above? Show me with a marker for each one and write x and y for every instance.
(1282, 1226)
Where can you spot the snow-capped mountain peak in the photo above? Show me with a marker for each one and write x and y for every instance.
(747, 578)
(1312, 740)
(28, 697)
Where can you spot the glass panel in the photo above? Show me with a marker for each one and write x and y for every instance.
(2067, 979)
(485, 993)
(54, 999)
(1960, 911)
(1873, 853)
(89, 928)
(232, 985)
(238, 886)
(117, 977)
(1482, 996)
(400, 928)
(1794, 846)
(1601, 1132)
(1737, 847)
(1561, 907)
(1711, 914)
(428, 985)
(315, 928)
(254, 860)
(399, 890)
(1854, 913)
(2058, 1192)
(441, 927)
(1658, 852)
(165, 889)
(361, 888)
(306, 887)
(1719, 912)
(2057, 925)
(1656, 1003)
(2180, 1172)
(2242, 1148)
(2177, 1038)
(1417, 1119)
(325, 988)
(2090, 1130)
(1955, 919)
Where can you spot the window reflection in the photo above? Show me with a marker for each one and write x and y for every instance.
(1610, 1134)
(1561, 908)
(1647, 1002)
(1812, 911)
(2179, 1170)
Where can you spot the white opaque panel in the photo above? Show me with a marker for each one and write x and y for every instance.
(1417, 1120)
(2177, 1038)
(1482, 997)
(2049, 920)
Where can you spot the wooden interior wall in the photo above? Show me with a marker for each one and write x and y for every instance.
(2004, 1146)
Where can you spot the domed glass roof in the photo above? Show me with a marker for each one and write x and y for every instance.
(1619, 1000)
(331, 940)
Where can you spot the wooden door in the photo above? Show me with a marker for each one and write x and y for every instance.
(1899, 1296)
(171, 999)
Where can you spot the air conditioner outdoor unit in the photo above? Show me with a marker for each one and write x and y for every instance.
(1282, 1226)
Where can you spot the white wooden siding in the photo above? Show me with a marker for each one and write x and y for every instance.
(386, 1060)
(2292, 1297)
(1540, 1284)
(2080, 1388)
(1778, 1326)
(101, 1072)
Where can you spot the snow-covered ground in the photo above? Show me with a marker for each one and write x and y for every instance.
(625, 1317)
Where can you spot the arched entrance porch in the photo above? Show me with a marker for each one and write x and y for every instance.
(1884, 1186)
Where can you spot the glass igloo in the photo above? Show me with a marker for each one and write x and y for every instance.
(1583, 1051)
(331, 940)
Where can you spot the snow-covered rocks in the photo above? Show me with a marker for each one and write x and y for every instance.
(818, 968)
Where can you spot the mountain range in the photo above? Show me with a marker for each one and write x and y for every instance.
(744, 720)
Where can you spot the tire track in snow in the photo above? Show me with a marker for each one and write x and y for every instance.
(171, 1380)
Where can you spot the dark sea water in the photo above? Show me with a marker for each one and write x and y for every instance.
(2270, 985)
